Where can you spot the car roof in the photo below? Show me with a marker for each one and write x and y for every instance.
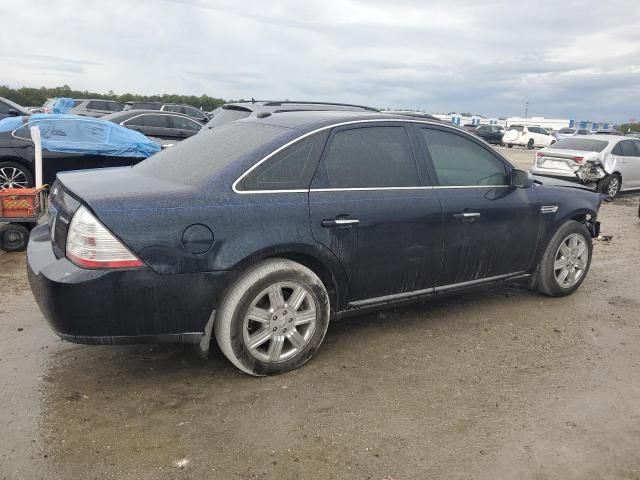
(309, 119)
(291, 105)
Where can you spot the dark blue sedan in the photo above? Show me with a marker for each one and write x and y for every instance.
(261, 231)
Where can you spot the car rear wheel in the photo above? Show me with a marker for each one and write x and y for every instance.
(530, 144)
(14, 175)
(13, 237)
(273, 318)
(610, 186)
(566, 260)
(509, 145)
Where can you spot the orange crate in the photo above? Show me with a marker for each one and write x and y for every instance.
(21, 202)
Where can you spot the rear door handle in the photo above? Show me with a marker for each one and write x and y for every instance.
(339, 222)
(467, 217)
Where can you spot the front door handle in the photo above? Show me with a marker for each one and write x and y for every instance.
(467, 217)
(339, 222)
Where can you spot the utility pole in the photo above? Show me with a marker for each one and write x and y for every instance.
(526, 108)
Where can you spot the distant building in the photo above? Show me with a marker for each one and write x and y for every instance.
(548, 123)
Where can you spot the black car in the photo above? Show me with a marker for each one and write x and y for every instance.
(490, 133)
(11, 109)
(157, 124)
(265, 229)
(17, 153)
(188, 110)
(230, 112)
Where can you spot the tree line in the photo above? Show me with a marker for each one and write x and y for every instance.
(36, 97)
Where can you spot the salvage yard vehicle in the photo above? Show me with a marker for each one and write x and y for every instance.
(491, 133)
(188, 110)
(265, 229)
(69, 142)
(611, 162)
(11, 109)
(157, 124)
(527, 136)
(570, 132)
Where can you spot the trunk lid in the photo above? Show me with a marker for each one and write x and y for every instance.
(569, 160)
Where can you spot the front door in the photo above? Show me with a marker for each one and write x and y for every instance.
(371, 204)
(490, 228)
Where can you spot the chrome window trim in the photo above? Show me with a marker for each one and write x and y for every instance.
(234, 186)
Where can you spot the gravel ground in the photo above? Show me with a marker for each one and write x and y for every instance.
(502, 383)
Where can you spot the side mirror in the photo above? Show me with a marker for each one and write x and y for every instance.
(13, 112)
(521, 178)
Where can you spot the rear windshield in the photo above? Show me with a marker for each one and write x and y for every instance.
(581, 144)
(517, 127)
(226, 115)
(200, 157)
(566, 130)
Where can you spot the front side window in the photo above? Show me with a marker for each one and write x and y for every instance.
(459, 161)
(289, 169)
(371, 157)
(96, 105)
(184, 123)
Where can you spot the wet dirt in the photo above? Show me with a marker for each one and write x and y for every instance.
(499, 383)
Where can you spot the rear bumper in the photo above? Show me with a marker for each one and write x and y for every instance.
(566, 175)
(120, 306)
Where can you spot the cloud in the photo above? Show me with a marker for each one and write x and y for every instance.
(574, 59)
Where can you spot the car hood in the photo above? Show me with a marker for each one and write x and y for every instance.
(555, 182)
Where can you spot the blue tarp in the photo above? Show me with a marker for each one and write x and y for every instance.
(76, 134)
(62, 105)
(9, 124)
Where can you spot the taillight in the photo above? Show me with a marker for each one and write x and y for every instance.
(578, 159)
(539, 155)
(91, 245)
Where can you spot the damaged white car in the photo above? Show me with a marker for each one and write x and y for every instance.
(611, 163)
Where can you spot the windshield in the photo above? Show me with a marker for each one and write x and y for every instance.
(581, 144)
(566, 130)
(226, 115)
(199, 158)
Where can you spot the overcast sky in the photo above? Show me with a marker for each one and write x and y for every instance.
(570, 59)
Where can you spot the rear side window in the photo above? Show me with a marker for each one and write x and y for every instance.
(461, 162)
(289, 169)
(208, 153)
(371, 157)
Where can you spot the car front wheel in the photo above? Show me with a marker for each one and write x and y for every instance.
(566, 260)
(14, 175)
(273, 318)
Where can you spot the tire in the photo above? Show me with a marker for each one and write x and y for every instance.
(234, 328)
(530, 144)
(509, 145)
(610, 186)
(549, 274)
(15, 175)
(13, 237)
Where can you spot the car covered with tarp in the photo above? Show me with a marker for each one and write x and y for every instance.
(69, 142)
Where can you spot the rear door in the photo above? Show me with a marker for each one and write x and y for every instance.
(490, 228)
(372, 205)
(629, 163)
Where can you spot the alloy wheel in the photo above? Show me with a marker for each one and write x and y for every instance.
(13, 177)
(571, 260)
(280, 322)
(613, 187)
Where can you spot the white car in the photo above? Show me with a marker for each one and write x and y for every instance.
(527, 136)
(570, 132)
(612, 162)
